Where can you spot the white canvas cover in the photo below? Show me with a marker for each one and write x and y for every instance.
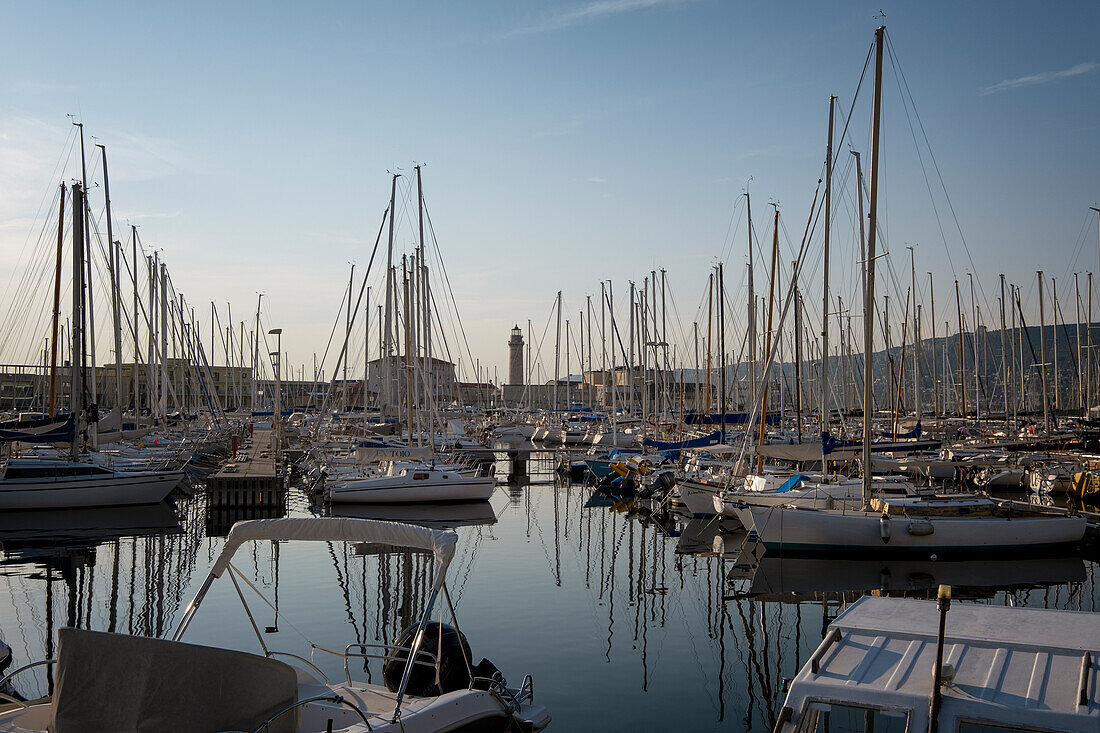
(332, 529)
(373, 454)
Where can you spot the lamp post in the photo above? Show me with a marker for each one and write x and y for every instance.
(278, 417)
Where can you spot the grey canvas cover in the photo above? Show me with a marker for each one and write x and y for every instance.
(115, 683)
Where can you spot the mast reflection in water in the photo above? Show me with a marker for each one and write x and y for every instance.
(629, 617)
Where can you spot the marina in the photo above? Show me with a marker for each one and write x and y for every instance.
(419, 451)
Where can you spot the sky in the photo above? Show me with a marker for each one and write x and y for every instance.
(562, 143)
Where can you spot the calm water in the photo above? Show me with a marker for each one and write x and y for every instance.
(627, 622)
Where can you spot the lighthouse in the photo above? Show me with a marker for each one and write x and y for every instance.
(515, 356)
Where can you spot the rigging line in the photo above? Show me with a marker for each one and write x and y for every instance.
(1079, 244)
(769, 359)
(62, 161)
(932, 155)
(851, 108)
(344, 297)
(355, 313)
(447, 280)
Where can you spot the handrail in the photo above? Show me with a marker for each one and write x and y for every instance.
(1083, 681)
(432, 659)
(326, 698)
(815, 660)
(6, 678)
(270, 653)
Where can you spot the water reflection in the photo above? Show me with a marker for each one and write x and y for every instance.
(628, 616)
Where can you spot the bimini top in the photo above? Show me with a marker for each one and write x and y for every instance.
(1033, 668)
(332, 529)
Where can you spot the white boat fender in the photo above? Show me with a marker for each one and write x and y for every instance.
(884, 528)
(921, 528)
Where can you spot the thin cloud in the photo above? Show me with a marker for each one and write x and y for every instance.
(1034, 79)
(597, 180)
(587, 13)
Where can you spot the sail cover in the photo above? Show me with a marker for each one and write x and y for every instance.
(711, 439)
(59, 429)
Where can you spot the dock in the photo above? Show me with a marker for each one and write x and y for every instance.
(251, 477)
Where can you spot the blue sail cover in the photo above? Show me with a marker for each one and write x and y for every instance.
(829, 444)
(59, 429)
(711, 439)
(911, 435)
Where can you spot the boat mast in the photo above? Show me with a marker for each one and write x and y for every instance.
(137, 324)
(1054, 325)
(557, 353)
(256, 352)
(1043, 355)
(387, 346)
(89, 304)
(76, 387)
(974, 349)
(115, 313)
(164, 343)
(798, 356)
(751, 310)
(56, 302)
(722, 345)
(710, 325)
(935, 368)
(869, 296)
(347, 324)
(1004, 348)
(1077, 330)
(962, 356)
(614, 370)
(823, 386)
(408, 350)
(767, 344)
(916, 336)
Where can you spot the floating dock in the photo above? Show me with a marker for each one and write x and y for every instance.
(251, 477)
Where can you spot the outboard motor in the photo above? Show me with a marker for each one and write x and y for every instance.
(451, 648)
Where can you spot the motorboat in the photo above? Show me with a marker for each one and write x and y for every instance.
(894, 664)
(406, 482)
(39, 483)
(429, 682)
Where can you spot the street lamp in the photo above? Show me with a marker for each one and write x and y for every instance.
(277, 365)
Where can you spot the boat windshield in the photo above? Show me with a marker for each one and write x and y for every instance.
(836, 718)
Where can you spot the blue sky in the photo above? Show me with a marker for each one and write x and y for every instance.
(564, 142)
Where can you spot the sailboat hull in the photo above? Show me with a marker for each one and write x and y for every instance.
(378, 491)
(800, 529)
(119, 489)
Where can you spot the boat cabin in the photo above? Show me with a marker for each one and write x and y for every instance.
(1005, 669)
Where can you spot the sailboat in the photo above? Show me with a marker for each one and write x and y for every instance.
(963, 523)
(44, 483)
(416, 478)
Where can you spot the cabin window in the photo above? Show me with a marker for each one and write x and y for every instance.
(822, 717)
(419, 476)
(984, 726)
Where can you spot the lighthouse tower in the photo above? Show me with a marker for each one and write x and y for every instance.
(515, 356)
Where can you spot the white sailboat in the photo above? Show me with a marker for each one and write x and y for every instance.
(36, 483)
(411, 482)
(930, 525)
